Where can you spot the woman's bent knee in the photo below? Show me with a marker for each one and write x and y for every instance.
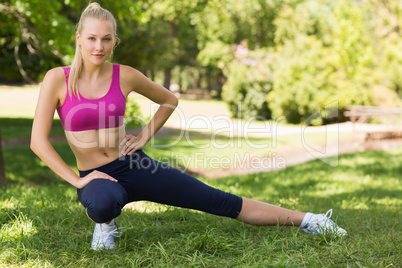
(103, 200)
(101, 211)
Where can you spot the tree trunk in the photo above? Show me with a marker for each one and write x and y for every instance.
(153, 74)
(199, 80)
(220, 82)
(168, 77)
(210, 85)
(180, 79)
(3, 180)
(195, 81)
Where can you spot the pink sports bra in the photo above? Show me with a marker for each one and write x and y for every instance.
(85, 114)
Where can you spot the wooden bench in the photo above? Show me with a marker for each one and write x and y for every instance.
(390, 119)
(360, 114)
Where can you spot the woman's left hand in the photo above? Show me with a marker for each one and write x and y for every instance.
(130, 144)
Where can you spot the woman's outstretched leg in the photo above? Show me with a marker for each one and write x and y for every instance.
(260, 213)
(149, 179)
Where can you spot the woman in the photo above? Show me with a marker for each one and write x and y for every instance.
(90, 99)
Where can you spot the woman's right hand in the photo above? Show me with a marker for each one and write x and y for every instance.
(82, 182)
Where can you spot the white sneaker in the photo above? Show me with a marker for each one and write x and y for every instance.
(321, 224)
(104, 235)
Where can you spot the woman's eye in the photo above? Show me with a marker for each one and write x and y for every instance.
(91, 38)
(107, 39)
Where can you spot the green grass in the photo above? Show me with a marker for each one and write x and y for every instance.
(20, 128)
(44, 225)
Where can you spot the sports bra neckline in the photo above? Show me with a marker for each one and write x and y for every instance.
(108, 91)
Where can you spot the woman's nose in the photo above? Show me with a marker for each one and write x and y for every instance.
(99, 46)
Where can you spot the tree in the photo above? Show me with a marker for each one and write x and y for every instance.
(221, 25)
(37, 35)
(34, 38)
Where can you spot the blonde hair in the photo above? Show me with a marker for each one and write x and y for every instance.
(93, 10)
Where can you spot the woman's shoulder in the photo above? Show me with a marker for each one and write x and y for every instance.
(126, 70)
(54, 81)
(130, 74)
(55, 75)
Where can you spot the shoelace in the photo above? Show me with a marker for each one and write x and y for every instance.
(119, 231)
(327, 220)
(332, 226)
(329, 212)
(113, 233)
(116, 232)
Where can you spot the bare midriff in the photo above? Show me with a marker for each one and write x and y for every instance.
(96, 147)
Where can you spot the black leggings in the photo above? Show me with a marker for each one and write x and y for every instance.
(143, 178)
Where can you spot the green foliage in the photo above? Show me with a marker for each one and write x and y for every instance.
(324, 61)
(164, 35)
(34, 37)
(351, 39)
(134, 116)
(308, 78)
(323, 58)
(390, 65)
(324, 51)
(250, 79)
(300, 77)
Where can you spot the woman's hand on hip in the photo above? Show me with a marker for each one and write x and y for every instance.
(82, 182)
(130, 144)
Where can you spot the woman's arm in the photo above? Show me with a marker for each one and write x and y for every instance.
(52, 85)
(133, 80)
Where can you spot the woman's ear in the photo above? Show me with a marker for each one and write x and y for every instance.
(116, 40)
(77, 38)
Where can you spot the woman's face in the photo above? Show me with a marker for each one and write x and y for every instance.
(96, 40)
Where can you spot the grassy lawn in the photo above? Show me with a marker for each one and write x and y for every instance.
(44, 225)
(20, 128)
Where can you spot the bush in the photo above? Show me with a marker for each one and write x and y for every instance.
(250, 79)
(309, 79)
(323, 61)
(302, 78)
(134, 116)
